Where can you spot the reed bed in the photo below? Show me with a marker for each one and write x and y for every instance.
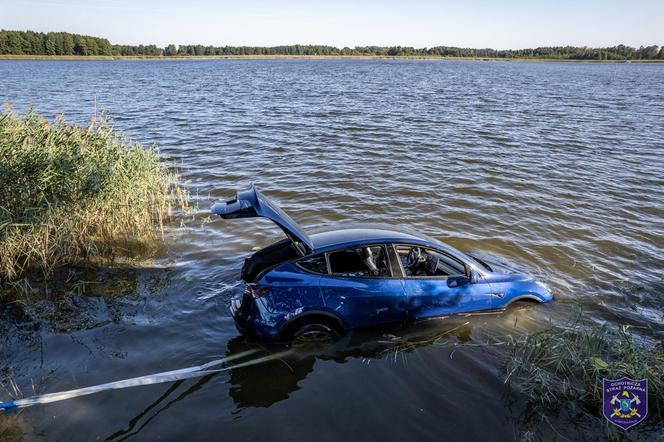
(560, 369)
(74, 194)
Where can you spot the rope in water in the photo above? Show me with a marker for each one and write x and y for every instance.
(156, 378)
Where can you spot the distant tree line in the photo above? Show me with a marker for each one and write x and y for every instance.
(64, 43)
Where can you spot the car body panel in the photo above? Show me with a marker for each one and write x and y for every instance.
(508, 288)
(365, 301)
(429, 298)
(290, 292)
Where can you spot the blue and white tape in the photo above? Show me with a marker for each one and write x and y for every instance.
(156, 378)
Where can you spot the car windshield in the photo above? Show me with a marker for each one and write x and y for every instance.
(480, 263)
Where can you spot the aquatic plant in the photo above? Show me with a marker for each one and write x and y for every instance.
(556, 368)
(10, 429)
(74, 194)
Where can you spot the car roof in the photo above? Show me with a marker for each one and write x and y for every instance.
(339, 235)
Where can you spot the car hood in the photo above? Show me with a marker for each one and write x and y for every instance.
(251, 203)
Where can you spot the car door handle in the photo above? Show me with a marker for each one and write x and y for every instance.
(418, 290)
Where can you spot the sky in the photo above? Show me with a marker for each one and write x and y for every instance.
(504, 24)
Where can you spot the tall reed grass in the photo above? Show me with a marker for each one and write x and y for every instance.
(559, 369)
(71, 194)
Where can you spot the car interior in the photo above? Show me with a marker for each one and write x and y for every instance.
(365, 261)
(265, 258)
(418, 261)
(360, 261)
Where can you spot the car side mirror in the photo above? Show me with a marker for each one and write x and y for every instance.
(474, 277)
(457, 281)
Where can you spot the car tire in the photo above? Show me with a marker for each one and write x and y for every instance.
(315, 333)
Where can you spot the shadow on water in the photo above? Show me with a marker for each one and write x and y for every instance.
(82, 298)
(160, 405)
(451, 341)
(272, 381)
(265, 384)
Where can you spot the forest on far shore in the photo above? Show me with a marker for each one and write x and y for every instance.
(64, 43)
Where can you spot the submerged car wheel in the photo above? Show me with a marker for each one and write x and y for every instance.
(314, 334)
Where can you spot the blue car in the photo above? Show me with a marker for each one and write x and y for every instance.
(315, 286)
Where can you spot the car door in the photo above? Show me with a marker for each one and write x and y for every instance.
(361, 287)
(437, 284)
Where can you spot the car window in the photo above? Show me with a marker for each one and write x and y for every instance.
(315, 263)
(418, 261)
(359, 262)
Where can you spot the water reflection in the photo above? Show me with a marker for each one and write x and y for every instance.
(273, 381)
(138, 422)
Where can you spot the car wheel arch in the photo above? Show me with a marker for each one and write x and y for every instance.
(311, 317)
(524, 297)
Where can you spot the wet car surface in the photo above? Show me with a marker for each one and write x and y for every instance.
(320, 285)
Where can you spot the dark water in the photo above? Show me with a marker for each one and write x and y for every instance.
(556, 169)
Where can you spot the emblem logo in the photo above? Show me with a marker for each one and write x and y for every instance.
(625, 401)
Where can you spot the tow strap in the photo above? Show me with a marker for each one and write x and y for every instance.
(156, 378)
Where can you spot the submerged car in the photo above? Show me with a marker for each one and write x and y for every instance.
(316, 286)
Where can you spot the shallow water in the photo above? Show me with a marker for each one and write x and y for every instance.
(555, 169)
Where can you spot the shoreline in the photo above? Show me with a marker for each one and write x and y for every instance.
(303, 57)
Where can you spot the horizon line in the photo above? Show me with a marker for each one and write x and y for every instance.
(217, 45)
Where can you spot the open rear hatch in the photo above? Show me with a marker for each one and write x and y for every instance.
(252, 203)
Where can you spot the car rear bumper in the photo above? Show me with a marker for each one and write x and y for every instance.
(253, 319)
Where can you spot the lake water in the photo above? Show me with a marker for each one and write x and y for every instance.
(555, 169)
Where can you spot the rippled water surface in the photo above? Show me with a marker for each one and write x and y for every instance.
(555, 169)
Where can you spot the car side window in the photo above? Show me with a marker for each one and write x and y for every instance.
(418, 262)
(315, 263)
(365, 261)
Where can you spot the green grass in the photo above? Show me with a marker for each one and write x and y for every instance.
(73, 195)
(558, 369)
